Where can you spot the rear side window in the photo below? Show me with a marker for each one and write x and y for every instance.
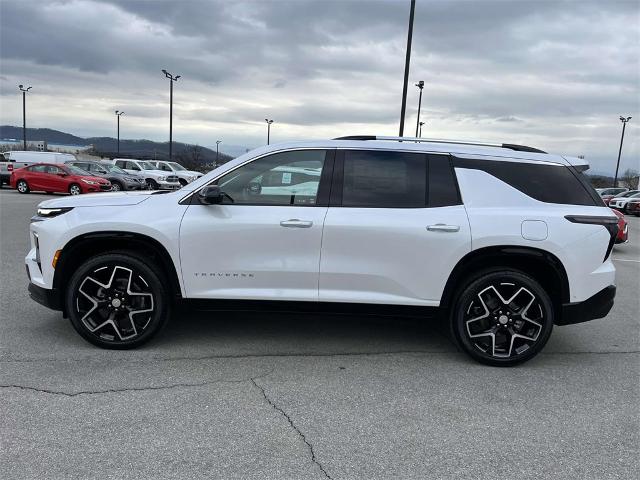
(384, 179)
(546, 183)
(38, 168)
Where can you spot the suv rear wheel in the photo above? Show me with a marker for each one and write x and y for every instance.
(117, 301)
(502, 317)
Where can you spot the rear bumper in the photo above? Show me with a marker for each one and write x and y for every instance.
(45, 296)
(597, 306)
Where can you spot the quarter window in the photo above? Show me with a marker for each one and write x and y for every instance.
(287, 178)
(384, 179)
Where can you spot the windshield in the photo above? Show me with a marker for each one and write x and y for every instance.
(77, 171)
(176, 166)
(113, 169)
(147, 166)
(628, 194)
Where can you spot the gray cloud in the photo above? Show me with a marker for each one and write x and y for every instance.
(555, 73)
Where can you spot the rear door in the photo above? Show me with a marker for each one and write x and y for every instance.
(394, 230)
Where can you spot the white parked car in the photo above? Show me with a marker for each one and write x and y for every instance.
(501, 242)
(184, 176)
(620, 202)
(156, 179)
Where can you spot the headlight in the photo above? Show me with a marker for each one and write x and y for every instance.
(162, 179)
(89, 182)
(44, 213)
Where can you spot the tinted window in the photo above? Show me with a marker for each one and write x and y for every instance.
(443, 188)
(546, 183)
(384, 179)
(287, 178)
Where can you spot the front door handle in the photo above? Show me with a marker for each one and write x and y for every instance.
(295, 223)
(441, 227)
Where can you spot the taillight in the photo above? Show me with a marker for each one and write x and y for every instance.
(608, 222)
(10, 168)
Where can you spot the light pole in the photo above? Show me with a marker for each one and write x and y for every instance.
(420, 131)
(171, 80)
(420, 85)
(24, 114)
(218, 142)
(407, 61)
(624, 121)
(269, 122)
(118, 115)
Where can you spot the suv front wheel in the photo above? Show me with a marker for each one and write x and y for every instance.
(502, 317)
(117, 301)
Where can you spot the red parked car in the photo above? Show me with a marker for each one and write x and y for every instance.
(49, 177)
(623, 228)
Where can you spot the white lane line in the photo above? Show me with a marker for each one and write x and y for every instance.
(625, 260)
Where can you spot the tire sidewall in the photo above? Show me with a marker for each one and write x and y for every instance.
(469, 291)
(71, 188)
(151, 275)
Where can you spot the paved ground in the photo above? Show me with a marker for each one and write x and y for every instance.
(292, 397)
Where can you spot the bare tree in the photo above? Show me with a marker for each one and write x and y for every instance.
(630, 178)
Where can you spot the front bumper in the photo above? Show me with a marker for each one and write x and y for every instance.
(169, 185)
(597, 306)
(45, 296)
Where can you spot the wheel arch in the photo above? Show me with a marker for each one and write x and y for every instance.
(84, 246)
(542, 265)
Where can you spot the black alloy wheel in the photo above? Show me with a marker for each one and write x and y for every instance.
(117, 301)
(502, 318)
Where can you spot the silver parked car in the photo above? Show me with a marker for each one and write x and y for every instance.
(120, 180)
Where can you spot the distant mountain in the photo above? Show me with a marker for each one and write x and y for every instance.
(47, 134)
(107, 146)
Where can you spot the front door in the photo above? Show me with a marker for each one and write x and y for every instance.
(263, 241)
(394, 231)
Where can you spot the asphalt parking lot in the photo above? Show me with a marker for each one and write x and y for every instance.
(307, 396)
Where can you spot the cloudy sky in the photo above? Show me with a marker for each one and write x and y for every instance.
(551, 74)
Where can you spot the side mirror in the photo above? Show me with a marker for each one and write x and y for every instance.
(211, 195)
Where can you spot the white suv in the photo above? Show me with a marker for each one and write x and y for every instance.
(499, 241)
(173, 168)
(156, 179)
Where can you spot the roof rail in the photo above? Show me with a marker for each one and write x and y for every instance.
(510, 146)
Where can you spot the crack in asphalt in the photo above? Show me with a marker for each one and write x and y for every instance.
(286, 355)
(127, 389)
(293, 425)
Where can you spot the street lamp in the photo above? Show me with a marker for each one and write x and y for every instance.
(624, 121)
(24, 114)
(420, 85)
(118, 115)
(269, 122)
(420, 131)
(407, 61)
(171, 80)
(218, 142)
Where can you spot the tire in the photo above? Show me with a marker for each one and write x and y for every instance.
(502, 317)
(116, 186)
(182, 181)
(153, 185)
(22, 186)
(102, 309)
(75, 189)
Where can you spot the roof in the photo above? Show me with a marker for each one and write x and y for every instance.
(471, 149)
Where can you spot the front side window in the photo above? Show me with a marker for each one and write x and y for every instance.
(384, 179)
(147, 166)
(287, 178)
(163, 167)
(176, 166)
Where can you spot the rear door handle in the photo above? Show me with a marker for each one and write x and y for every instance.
(295, 223)
(441, 227)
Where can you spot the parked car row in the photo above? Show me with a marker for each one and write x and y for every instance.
(628, 201)
(61, 172)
